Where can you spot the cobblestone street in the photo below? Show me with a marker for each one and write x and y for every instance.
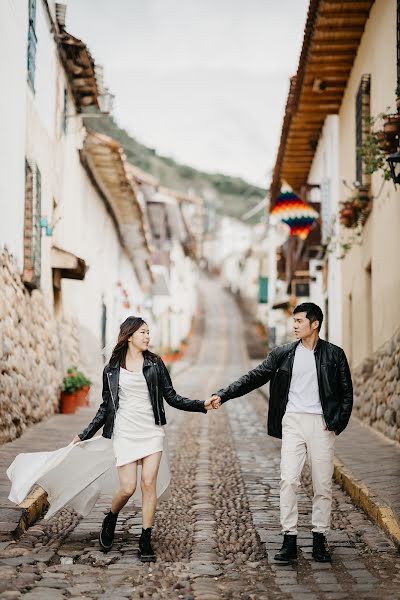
(216, 536)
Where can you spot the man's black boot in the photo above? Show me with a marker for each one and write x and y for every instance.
(106, 535)
(146, 551)
(320, 550)
(288, 552)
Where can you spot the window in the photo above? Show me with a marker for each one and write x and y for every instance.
(103, 328)
(32, 39)
(32, 229)
(301, 289)
(362, 126)
(326, 216)
(263, 290)
(369, 314)
(398, 48)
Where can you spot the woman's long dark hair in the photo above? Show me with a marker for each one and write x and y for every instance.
(128, 328)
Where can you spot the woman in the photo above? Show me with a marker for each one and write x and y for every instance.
(132, 413)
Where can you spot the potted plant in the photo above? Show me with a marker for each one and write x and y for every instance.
(69, 392)
(86, 388)
(355, 210)
(375, 147)
(83, 386)
(347, 214)
(391, 125)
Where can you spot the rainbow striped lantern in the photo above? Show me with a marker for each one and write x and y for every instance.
(296, 213)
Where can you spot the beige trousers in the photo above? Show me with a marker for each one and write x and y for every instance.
(304, 435)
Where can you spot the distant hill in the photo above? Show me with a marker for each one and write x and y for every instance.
(231, 196)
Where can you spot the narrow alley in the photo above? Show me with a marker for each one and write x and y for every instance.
(216, 536)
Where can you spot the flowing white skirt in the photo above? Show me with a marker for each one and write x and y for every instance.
(77, 475)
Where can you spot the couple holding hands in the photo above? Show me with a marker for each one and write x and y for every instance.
(310, 403)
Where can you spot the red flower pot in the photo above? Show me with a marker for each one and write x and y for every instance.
(68, 403)
(81, 397)
(87, 390)
(391, 126)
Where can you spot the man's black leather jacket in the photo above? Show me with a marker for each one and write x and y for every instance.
(334, 381)
(159, 385)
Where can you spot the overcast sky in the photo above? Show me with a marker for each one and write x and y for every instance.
(203, 81)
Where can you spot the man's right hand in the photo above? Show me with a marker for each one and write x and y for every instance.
(76, 439)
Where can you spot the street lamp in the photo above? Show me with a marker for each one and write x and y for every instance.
(394, 163)
(106, 101)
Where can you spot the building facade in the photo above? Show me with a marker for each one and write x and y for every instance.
(345, 90)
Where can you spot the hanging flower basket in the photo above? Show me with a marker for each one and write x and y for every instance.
(387, 144)
(355, 210)
(391, 125)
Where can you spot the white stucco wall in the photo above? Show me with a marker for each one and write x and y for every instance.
(13, 50)
(371, 303)
(183, 294)
(325, 172)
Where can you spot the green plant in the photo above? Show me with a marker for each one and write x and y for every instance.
(375, 148)
(354, 210)
(74, 380)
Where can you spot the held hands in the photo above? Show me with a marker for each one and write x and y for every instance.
(213, 402)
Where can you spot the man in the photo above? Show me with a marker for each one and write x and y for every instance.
(311, 398)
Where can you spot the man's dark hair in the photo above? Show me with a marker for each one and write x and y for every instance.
(313, 312)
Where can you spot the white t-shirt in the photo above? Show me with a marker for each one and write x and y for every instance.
(304, 391)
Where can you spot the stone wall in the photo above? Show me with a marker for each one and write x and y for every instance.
(35, 351)
(377, 389)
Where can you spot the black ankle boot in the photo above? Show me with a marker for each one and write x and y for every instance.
(320, 550)
(288, 552)
(106, 535)
(146, 551)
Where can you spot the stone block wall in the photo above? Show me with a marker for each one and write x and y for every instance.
(35, 351)
(377, 389)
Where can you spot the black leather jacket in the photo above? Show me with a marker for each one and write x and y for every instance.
(334, 382)
(160, 386)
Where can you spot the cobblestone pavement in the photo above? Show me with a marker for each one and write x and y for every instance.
(216, 536)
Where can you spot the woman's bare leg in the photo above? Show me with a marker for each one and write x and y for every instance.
(150, 466)
(127, 485)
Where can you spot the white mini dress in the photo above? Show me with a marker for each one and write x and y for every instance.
(135, 433)
(77, 475)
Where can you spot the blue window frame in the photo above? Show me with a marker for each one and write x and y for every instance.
(32, 40)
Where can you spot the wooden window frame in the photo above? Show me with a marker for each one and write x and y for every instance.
(32, 228)
(362, 113)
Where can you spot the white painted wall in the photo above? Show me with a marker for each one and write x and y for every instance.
(369, 324)
(13, 50)
(183, 297)
(325, 172)
(230, 236)
(87, 230)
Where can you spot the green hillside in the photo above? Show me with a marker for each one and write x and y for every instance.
(230, 195)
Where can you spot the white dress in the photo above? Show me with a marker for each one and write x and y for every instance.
(78, 474)
(135, 433)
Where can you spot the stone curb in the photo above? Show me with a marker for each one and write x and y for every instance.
(33, 507)
(361, 495)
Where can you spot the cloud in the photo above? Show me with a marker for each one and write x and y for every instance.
(203, 81)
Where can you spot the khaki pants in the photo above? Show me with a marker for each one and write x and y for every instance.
(304, 435)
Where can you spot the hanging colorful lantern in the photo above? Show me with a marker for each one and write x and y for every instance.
(296, 213)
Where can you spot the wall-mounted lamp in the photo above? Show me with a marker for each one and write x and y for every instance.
(44, 224)
(394, 163)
